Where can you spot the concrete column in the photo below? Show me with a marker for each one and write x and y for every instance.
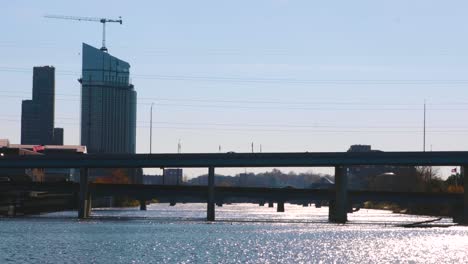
(270, 204)
(89, 202)
(350, 206)
(280, 207)
(331, 210)
(11, 210)
(464, 171)
(210, 214)
(339, 207)
(83, 209)
(142, 205)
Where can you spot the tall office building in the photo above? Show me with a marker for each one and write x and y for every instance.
(58, 136)
(30, 132)
(108, 103)
(37, 116)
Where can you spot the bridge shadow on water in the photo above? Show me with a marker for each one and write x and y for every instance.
(297, 215)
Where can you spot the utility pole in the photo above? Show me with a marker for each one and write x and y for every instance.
(424, 128)
(252, 147)
(151, 128)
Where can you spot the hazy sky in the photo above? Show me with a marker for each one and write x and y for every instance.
(289, 75)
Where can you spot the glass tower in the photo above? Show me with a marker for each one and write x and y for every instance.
(108, 103)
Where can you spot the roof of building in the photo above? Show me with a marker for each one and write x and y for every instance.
(5, 143)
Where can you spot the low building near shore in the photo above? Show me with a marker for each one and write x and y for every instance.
(39, 174)
(379, 177)
(173, 176)
(152, 179)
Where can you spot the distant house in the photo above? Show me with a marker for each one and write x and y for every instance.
(370, 177)
(152, 179)
(322, 183)
(172, 176)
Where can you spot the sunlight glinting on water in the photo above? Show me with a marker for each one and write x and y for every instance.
(244, 233)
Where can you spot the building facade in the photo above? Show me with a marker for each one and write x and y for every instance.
(108, 103)
(30, 131)
(173, 176)
(58, 136)
(379, 177)
(40, 174)
(37, 116)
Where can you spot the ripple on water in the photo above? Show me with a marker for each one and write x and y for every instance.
(166, 234)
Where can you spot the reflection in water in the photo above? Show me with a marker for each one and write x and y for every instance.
(243, 234)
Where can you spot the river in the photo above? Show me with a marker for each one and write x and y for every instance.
(242, 234)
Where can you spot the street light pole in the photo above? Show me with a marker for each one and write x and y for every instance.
(424, 128)
(151, 128)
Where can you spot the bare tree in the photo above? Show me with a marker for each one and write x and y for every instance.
(426, 174)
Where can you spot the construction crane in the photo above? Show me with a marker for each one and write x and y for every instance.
(92, 19)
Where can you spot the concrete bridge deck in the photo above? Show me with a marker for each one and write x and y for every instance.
(233, 160)
(339, 200)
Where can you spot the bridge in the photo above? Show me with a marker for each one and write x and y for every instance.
(339, 197)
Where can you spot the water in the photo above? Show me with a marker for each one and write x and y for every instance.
(243, 234)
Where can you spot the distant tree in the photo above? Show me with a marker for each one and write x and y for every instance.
(428, 177)
(274, 178)
(455, 183)
(455, 179)
(120, 176)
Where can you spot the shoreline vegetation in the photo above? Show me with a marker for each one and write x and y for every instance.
(428, 210)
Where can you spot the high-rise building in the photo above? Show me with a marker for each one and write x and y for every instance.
(30, 132)
(58, 136)
(108, 103)
(37, 117)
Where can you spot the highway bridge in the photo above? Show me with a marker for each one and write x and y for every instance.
(339, 197)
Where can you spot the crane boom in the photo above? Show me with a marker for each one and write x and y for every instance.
(92, 19)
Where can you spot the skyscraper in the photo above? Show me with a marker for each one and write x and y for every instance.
(58, 136)
(108, 103)
(37, 116)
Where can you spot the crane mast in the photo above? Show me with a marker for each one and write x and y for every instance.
(91, 19)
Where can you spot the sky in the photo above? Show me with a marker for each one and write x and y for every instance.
(287, 75)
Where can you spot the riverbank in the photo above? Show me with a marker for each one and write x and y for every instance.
(430, 210)
(36, 203)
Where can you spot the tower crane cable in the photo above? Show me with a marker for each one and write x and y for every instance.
(91, 19)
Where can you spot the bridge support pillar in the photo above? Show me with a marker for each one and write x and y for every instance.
(464, 171)
(143, 205)
(84, 206)
(270, 204)
(210, 214)
(339, 206)
(280, 207)
(89, 202)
